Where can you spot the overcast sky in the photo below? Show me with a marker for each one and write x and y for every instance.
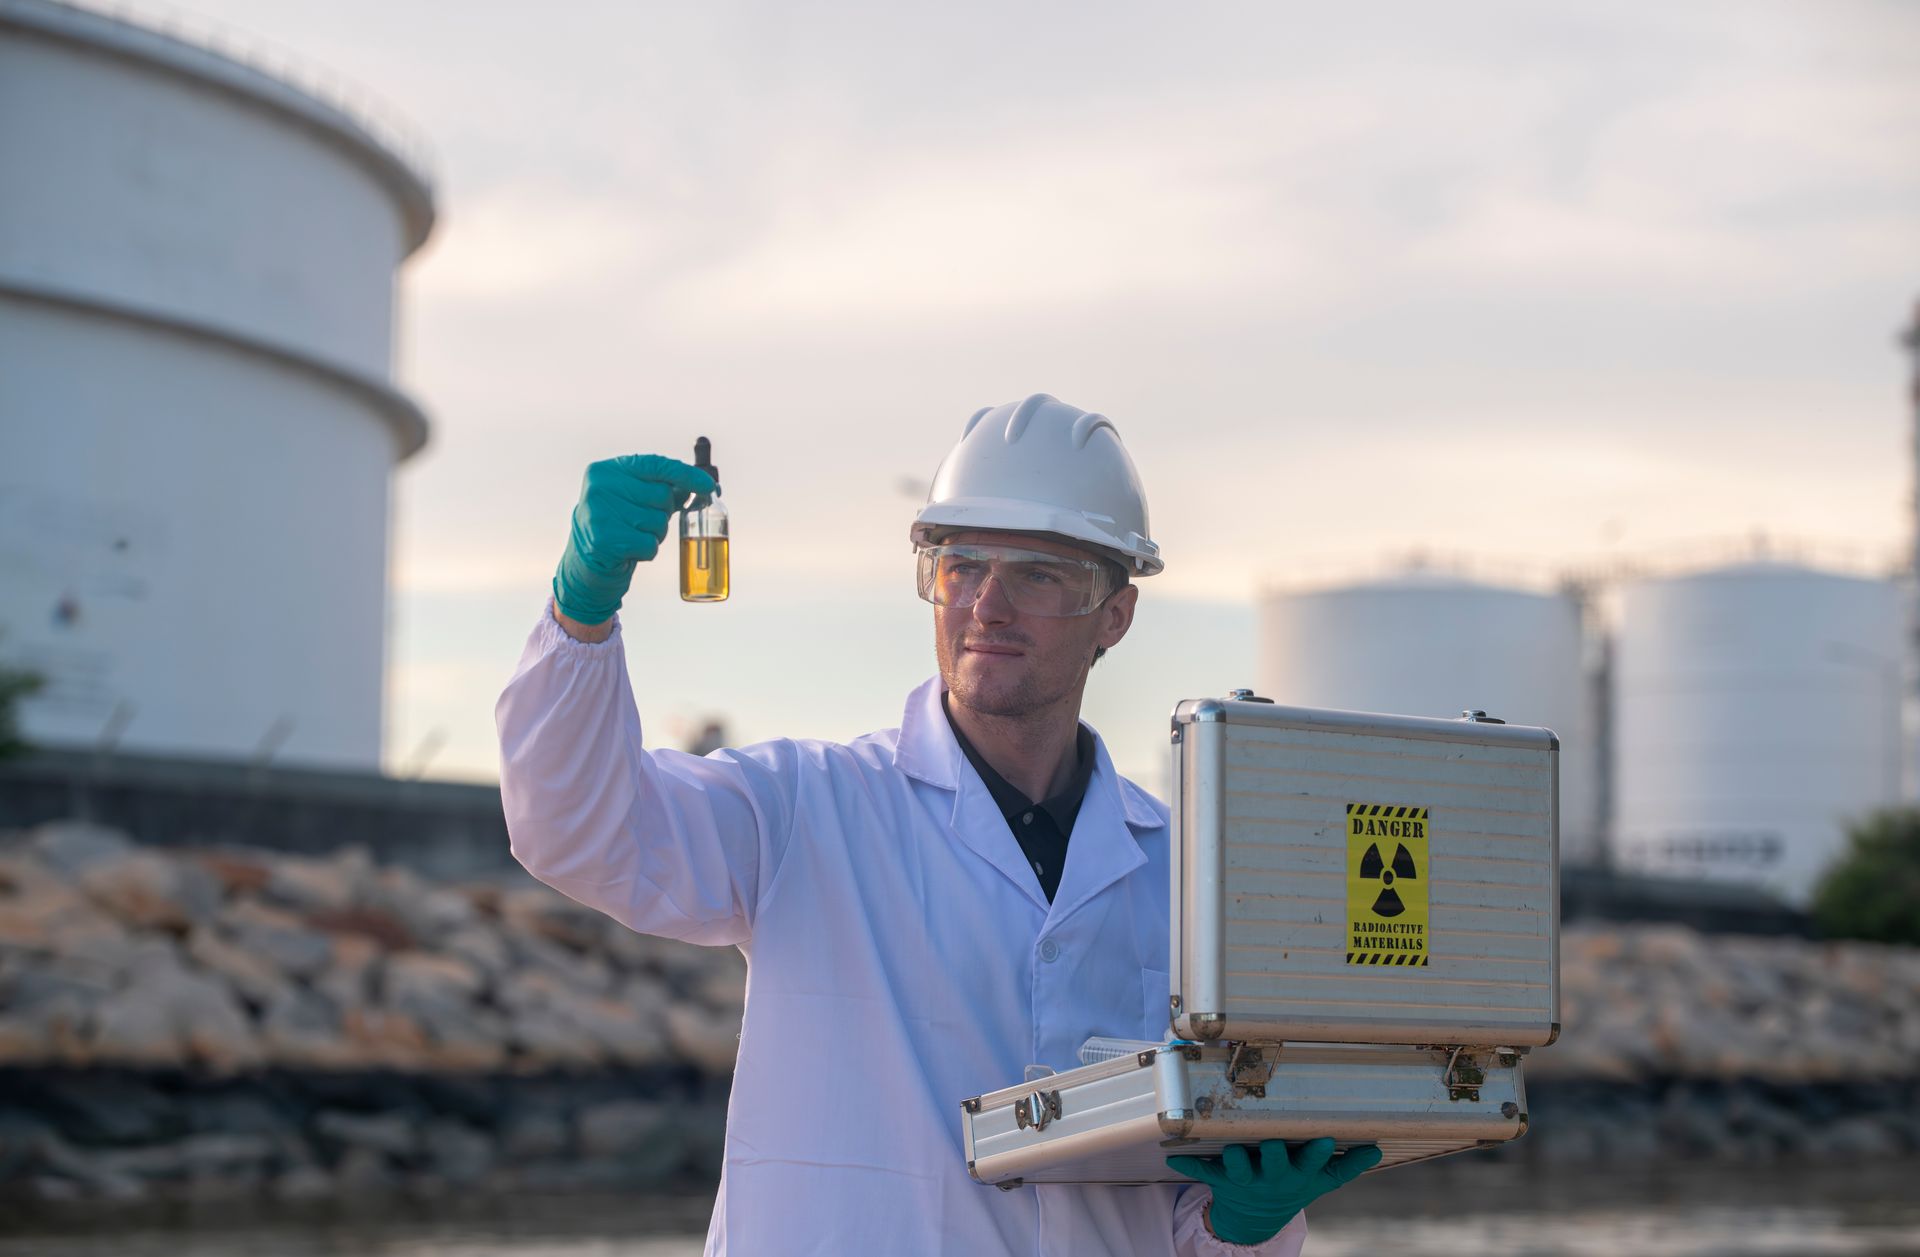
(1539, 283)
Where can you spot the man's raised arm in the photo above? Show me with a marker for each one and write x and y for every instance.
(666, 842)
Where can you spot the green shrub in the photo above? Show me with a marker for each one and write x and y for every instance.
(15, 684)
(1872, 889)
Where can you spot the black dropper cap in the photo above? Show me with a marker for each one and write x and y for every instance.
(703, 459)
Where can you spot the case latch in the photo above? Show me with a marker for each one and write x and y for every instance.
(1463, 1077)
(1036, 1110)
(1249, 1070)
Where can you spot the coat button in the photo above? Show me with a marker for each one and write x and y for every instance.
(1049, 951)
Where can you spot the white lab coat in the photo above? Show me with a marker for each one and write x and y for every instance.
(901, 957)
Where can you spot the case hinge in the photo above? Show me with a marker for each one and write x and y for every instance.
(1036, 1110)
(1249, 1070)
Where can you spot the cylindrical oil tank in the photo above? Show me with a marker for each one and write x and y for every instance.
(198, 426)
(1757, 708)
(1430, 644)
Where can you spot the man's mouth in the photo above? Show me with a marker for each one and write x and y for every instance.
(993, 648)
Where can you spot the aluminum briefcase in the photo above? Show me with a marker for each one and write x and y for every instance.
(1118, 1121)
(1365, 943)
(1350, 877)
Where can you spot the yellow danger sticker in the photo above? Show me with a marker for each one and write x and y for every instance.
(1387, 879)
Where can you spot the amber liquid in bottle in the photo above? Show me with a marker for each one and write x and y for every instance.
(703, 569)
(703, 538)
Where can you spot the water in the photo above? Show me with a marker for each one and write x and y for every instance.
(1660, 1211)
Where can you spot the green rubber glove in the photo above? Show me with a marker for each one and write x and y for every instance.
(626, 505)
(1256, 1195)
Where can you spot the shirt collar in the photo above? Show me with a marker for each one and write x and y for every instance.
(926, 749)
(1061, 807)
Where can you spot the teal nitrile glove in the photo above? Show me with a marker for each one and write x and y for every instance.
(1255, 1196)
(626, 505)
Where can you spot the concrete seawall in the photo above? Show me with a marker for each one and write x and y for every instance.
(444, 829)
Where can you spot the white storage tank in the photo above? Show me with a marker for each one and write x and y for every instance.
(198, 425)
(1757, 707)
(1429, 644)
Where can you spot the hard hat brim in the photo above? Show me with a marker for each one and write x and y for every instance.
(1140, 556)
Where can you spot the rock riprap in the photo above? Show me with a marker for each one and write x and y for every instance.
(1663, 1002)
(114, 954)
(231, 961)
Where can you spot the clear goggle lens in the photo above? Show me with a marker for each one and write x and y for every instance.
(1033, 581)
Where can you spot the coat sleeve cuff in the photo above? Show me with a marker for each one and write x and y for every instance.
(549, 637)
(1191, 1238)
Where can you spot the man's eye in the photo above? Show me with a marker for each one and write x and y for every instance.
(963, 568)
(1042, 576)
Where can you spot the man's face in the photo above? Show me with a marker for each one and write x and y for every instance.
(999, 661)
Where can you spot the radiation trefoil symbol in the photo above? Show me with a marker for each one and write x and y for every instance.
(1372, 867)
(1389, 879)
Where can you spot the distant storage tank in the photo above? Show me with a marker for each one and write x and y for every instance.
(1757, 708)
(1432, 645)
(198, 424)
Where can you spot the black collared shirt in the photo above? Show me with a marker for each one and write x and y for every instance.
(1041, 828)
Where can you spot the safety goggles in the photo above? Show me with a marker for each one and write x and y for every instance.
(1034, 582)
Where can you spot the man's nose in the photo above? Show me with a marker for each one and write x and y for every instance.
(992, 607)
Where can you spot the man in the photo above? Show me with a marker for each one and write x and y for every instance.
(925, 911)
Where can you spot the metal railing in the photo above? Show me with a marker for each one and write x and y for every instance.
(385, 124)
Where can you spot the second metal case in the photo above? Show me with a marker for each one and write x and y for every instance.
(1118, 1121)
(1358, 878)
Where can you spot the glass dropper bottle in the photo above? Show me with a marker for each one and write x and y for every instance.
(703, 539)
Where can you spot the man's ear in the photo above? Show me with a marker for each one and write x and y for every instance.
(1116, 616)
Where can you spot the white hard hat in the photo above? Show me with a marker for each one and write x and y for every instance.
(1042, 466)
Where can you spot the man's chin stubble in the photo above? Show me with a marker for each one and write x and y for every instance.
(1023, 698)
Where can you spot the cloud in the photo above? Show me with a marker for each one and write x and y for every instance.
(517, 239)
(1310, 195)
(450, 566)
(959, 234)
